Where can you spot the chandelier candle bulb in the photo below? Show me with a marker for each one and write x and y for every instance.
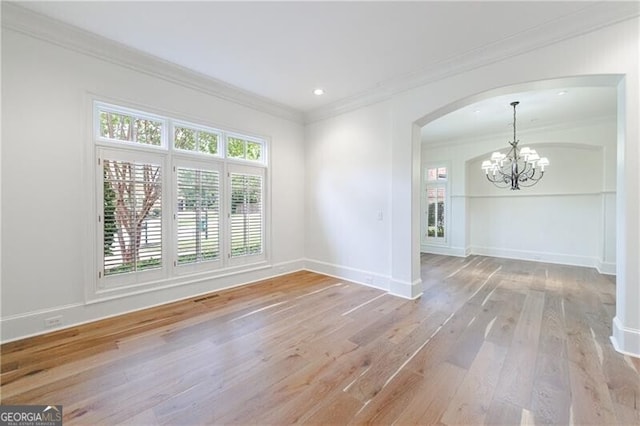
(544, 161)
(520, 168)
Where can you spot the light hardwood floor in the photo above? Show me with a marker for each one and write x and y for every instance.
(491, 341)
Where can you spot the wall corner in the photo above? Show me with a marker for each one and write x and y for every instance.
(625, 340)
(406, 289)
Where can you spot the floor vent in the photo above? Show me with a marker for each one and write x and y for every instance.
(206, 298)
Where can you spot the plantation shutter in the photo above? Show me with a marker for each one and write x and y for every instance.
(132, 212)
(198, 215)
(247, 218)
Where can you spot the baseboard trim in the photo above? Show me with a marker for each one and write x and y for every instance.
(443, 250)
(606, 268)
(347, 273)
(29, 324)
(558, 258)
(625, 340)
(405, 289)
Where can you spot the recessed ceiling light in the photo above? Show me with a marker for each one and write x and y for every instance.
(562, 92)
(318, 92)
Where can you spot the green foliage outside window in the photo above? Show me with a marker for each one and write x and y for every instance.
(185, 139)
(196, 140)
(127, 128)
(241, 148)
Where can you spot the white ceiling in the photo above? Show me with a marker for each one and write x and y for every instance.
(281, 51)
(537, 109)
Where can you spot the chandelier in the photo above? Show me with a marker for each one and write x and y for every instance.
(519, 167)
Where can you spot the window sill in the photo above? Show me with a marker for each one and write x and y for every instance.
(106, 294)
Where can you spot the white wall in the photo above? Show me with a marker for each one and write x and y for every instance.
(608, 56)
(561, 219)
(44, 88)
(348, 186)
(45, 116)
(612, 52)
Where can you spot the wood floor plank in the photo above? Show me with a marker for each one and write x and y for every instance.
(503, 413)
(334, 411)
(391, 401)
(471, 401)
(492, 341)
(433, 396)
(551, 397)
(466, 348)
(517, 375)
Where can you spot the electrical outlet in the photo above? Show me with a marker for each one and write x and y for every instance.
(53, 321)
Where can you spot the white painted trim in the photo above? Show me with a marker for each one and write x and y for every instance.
(588, 19)
(29, 324)
(558, 258)
(446, 251)
(406, 289)
(446, 183)
(403, 289)
(359, 276)
(512, 194)
(606, 268)
(625, 340)
(27, 22)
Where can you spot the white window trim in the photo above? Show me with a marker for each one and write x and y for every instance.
(199, 128)
(191, 268)
(103, 106)
(129, 280)
(95, 290)
(249, 170)
(262, 142)
(443, 183)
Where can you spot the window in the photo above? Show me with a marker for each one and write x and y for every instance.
(132, 234)
(436, 205)
(435, 212)
(247, 233)
(174, 198)
(198, 215)
(127, 127)
(243, 148)
(437, 174)
(133, 198)
(195, 140)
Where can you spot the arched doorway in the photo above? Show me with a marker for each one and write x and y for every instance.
(614, 199)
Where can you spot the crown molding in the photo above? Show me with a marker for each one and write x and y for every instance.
(27, 22)
(530, 131)
(591, 18)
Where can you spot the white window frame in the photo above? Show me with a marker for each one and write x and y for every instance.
(103, 106)
(245, 160)
(435, 184)
(170, 274)
(248, 170)
(178, 123)
(109, 282)
(190, 268)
